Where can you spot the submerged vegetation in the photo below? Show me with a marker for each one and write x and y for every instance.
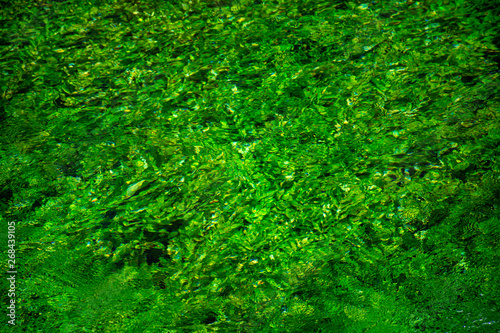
(252, 166)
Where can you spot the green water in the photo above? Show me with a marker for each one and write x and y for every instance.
(251, 166)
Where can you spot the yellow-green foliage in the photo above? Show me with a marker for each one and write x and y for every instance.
(252, 166)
